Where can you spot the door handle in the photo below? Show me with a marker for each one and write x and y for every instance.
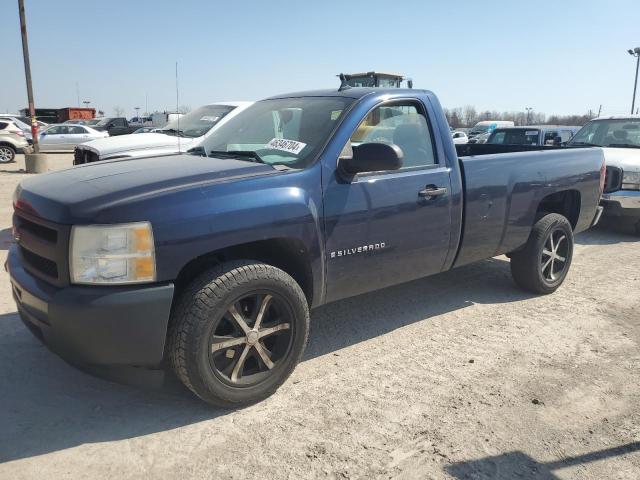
(431, 191)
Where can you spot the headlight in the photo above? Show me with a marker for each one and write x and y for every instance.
(112, 254)
(631, 181)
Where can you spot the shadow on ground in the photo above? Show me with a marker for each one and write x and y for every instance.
(518, 465)
(48, 406)
(608, 233)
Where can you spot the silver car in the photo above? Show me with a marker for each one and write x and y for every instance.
(67, 136)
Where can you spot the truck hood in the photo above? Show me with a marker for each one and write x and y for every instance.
(79, 194)
(626, 158)
(138, 141)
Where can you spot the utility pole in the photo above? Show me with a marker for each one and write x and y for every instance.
(27, 73)
(599, 110)
(528, 109)
(635, 53)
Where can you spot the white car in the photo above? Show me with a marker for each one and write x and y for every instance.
(179, 135)
(459, 137)
(619, 137)
(12, 141)
(67, 136)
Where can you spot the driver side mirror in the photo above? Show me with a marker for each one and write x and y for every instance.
(369, 157)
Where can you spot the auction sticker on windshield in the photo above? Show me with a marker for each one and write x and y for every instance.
(290, 146)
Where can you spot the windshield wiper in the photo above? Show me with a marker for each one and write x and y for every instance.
(623, 145)
(249, 155)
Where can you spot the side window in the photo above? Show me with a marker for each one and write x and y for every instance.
(548, 137)
(119, 122)
(498, 138)
(400, 124)
(566, 135)
(54, 130)
(3, 125)
(77, 130)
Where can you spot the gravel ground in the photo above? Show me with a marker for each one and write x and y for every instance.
(457, 376)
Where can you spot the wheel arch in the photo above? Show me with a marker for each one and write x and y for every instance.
(287, 254)
(8, 144)
(565, 202)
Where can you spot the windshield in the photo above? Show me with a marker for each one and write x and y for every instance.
(93, 121)
(519, 136)
(287, 131)
(608, 133)
(200, 121)
(103, 121)
(482, 129)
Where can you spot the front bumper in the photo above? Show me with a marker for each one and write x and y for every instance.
(94, 325)
(623, 203)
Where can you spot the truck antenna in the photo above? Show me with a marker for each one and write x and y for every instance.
(177, 103)
(343, 83)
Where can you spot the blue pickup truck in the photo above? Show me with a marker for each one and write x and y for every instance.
(210, 262)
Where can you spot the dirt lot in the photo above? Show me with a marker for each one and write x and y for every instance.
(457, 376)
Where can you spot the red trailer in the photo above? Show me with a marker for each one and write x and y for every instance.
(75, 113)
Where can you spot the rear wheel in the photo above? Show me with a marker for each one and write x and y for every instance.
(7, 153)
(238, 332)
(542, 265)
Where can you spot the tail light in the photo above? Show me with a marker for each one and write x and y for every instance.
(603, 176)
(20, 133)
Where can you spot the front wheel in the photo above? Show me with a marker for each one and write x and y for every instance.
(542, 265)
(238, 331)
(7, 153)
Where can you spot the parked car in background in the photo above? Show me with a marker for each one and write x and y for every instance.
(12, 141)
(115, 126)
(22, 123)
(211, 262)
(532, 135)
(161, 119)
(67, 136)
(81, 122)
(619, 137)
(147, 130)
(487, 126)
(179, 135)
(480, 138)
(26, 121)
(459, 137)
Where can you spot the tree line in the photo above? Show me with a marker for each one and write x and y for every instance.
(468, 116)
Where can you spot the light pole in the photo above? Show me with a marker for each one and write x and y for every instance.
(635, 53)
(34, 162)
(529, 110)
(27, 74)
(86, 103)
(137, 109)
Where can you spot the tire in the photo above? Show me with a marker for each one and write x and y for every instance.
(535, 270)
(7, 153)
(207, 342)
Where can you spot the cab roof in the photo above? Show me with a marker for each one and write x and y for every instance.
(352, 92)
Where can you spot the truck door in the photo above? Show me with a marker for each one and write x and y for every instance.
(384, 228)
(118, 127)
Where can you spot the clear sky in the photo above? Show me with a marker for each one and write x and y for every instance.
(563, 56)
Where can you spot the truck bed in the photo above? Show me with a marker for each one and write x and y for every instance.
(471, 149)
(505, 192)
